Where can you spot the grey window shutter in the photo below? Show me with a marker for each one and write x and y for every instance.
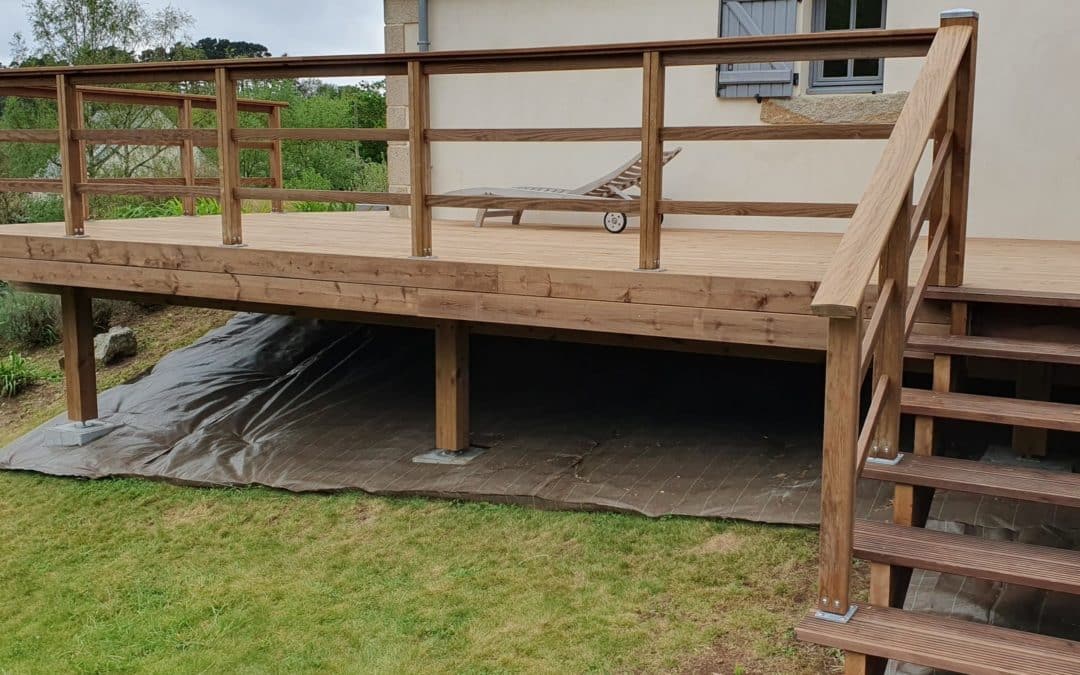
(756, 17)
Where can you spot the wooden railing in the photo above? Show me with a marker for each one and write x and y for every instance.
(184, 136)
(653, 58)
(884, 231)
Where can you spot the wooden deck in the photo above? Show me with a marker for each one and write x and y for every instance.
(751, 288)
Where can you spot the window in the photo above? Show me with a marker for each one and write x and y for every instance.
(851, 75)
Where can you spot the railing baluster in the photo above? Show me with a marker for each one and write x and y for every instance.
(652, 159)
(69, 117)
(842, 387)
(889, 353)
(419, 159)
(187, 155)
(277, 167)
(228, 158)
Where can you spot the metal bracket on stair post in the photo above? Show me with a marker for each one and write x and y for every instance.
(836, 618)
(875, 456)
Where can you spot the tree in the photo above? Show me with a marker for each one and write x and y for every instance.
(96, 31)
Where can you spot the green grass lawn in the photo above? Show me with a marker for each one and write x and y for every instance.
(133, 575)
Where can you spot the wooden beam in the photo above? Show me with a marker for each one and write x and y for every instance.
(319, 134)
(778, 132)
(35, 185)
(451, 386)
(549, 135)
(341, 196)
(760, 209)
(228, 159)
(187, 155)
(84, 175)
(277, 166)
(585, 204)
(1033, 382)
(49, 136)
(72, 161)
(419, 159)
(652, 160)
(77, 334)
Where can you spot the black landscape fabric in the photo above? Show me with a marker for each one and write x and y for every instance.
(310, 405)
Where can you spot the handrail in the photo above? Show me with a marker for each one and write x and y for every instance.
(844, 285)
(140, 97)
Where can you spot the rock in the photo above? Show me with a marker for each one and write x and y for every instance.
(118, 343)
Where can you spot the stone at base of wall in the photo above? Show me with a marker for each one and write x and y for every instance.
(834, 109)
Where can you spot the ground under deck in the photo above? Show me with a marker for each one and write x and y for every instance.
(717, 285)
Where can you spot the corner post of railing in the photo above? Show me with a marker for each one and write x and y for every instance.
(843, 378)
(69, 118)
(889, 351)
(185, 121)
(419, 159)
(960, 175)
(277, 168)
(652, 159)
(228, 158)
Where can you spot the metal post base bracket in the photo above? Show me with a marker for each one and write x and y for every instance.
(885, 461)
(74, 434)
(457, 458)
(836, 618)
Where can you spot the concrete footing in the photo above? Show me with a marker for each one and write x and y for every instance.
(75, 434)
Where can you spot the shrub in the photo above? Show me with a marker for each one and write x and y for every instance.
(372, 177)
(44, 209)
(16, 374)
(29, 320)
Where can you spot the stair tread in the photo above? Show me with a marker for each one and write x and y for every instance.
(1053, 569)
(998, 480)
(943, 642)
(1000, 348)
(1003, 296)
(993, 409)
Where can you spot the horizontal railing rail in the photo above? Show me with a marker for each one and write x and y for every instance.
(884, 231)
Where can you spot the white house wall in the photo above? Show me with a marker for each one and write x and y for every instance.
(1027, 156)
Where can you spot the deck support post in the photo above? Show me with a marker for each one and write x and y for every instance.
(187, 155)
(72, 160)
(419, 159)
(77, 333)
(277, 167)
(960, 166)
(228, 158)
(842, 387)
(451, 386)
(652, 160)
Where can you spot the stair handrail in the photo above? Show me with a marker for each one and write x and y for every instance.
(883, 233)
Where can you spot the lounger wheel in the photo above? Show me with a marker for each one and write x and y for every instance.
(615, 222)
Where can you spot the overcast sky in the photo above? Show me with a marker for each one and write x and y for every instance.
(284, 26)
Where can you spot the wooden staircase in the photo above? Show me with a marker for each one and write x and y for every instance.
(881, 630)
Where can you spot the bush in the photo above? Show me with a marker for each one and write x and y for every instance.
(29, 320)
(16, 374)
(45, 209)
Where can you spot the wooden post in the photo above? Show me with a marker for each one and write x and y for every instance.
(1034, 382)
(228, 158)
(69, 118)
(889, 353)
(652, 159)
(842, 389)
(960, 176)
(187, 155)
(419, 159)
(77, 333)
(451, 386)
(277, 177)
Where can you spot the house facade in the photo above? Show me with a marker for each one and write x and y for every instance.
(1024, 175)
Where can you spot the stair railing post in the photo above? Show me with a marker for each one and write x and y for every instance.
(960, 173)
(889, 352)
(652, 160)
(843, 383)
